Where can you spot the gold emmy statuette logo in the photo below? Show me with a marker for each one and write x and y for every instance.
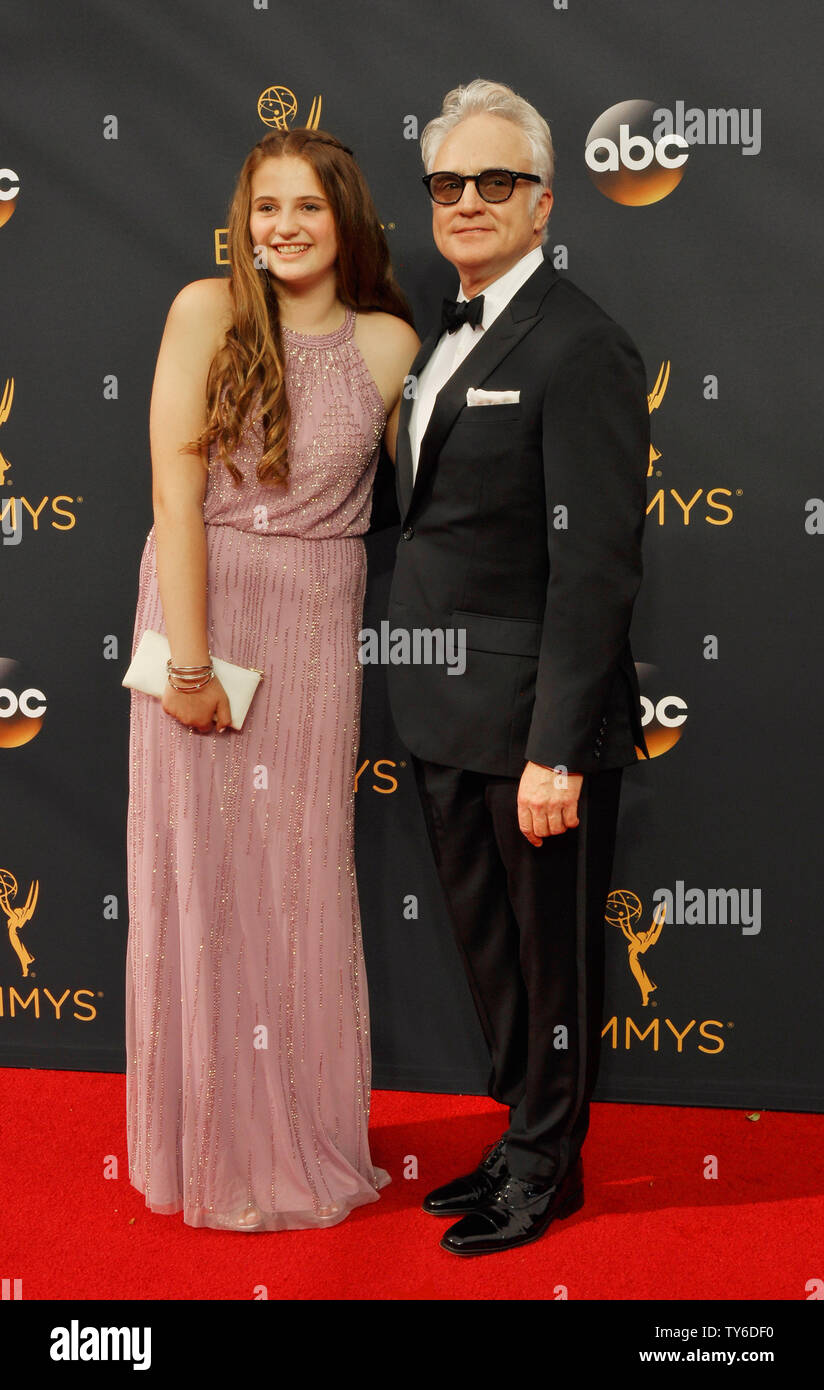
(622, 910)
(5, 412)
(716, 509)
(278, 107)
(17, 917)
(654, 399)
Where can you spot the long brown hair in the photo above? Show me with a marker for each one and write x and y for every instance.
(250, 361)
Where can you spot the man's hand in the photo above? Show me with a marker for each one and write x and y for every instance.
(547, 801)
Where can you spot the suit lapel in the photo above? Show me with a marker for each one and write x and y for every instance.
(512, 324)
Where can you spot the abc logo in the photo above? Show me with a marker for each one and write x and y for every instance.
(625, 159)
(9, 189)
(662, 716)
(22, 706)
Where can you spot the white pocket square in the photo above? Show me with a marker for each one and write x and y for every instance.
(475, 396)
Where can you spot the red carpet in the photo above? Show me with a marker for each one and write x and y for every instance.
(653, 1226)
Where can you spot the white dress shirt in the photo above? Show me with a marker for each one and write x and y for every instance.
(454, 347)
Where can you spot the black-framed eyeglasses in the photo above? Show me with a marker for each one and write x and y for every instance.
(493, 185)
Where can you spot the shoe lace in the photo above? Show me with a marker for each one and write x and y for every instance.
(493, 1150)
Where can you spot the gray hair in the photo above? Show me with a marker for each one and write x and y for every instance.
(494, 99)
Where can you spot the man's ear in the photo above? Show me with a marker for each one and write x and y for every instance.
(542, 210)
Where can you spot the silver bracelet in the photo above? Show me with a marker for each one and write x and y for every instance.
(187, 678)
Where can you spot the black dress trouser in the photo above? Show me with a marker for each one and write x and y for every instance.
(529, 924)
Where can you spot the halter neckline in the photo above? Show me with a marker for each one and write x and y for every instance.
(338, 335)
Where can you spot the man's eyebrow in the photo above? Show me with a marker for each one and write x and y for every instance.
(484, 169)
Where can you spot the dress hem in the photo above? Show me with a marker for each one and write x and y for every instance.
(272, 1220)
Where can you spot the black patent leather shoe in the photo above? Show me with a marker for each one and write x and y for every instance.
(516, 1213)
(465, 1194)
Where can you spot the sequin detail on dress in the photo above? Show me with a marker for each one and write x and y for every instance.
(247, 1021)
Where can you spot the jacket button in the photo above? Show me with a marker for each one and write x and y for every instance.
(407, 533)
(597, 753)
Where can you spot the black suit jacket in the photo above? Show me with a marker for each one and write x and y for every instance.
(523, 528)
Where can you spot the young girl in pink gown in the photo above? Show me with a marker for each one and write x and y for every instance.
(248, 1059)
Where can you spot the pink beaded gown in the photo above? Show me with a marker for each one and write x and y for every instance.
(247, 1021)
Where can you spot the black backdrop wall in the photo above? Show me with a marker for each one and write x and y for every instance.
(122, 127)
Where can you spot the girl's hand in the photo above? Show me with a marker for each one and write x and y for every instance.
(206, 710)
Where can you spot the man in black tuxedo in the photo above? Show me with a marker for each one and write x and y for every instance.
(521, 465)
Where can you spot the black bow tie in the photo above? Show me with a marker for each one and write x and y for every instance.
(454, 314)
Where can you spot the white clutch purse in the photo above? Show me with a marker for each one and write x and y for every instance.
(147, 673)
